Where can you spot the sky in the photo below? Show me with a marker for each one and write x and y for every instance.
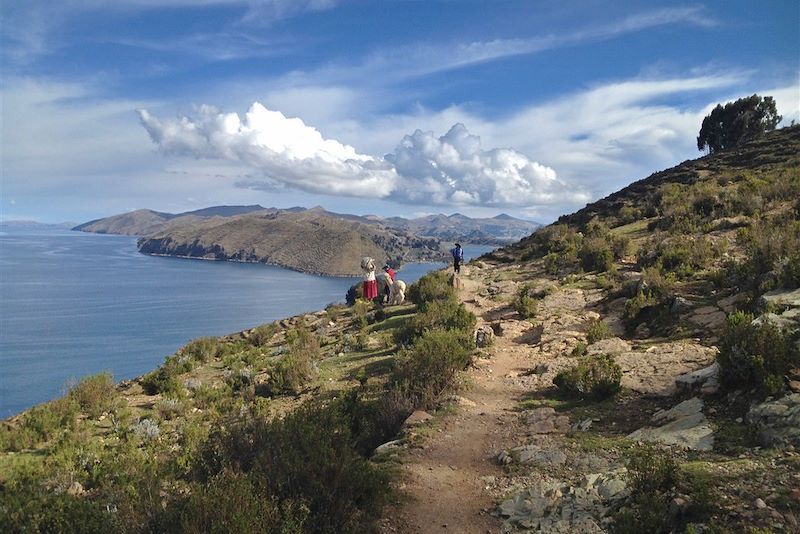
(391, 107)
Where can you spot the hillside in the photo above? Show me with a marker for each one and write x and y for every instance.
(633, 368)
(308, 241)
(497, 230)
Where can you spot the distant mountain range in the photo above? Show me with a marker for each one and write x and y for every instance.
(309, 240)
(498, 230)
(35, 225)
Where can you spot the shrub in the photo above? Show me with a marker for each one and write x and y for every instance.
(360, 309)
(169, 408)
(439, 315)
(30, 507)
(291, 373)
(755, 354)
(202, 349)
(231, 502)
(95, 394)
(595, 377)
(635, 304)
(579, 350)
(525, 304)
(433, 287)
(262, 334)
(597, 330)
(651, 475)
(596, 255)
(162, 380)
(302, 340)
(40, 423)
(430, 366)
(307, 457)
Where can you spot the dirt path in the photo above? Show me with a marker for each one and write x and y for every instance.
(445, 479)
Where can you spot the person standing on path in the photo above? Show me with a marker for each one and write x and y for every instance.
(458, 258)
(370, 283)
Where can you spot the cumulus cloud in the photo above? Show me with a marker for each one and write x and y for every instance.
(455, 170)
(449, 170)
(285, 150)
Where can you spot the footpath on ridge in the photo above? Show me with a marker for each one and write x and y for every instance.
(512, 455)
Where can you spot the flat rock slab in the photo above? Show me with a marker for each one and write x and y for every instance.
(533, 455)
(688, 427)
(655, 370)
(778, 421)
(546, 421)
(708, 317)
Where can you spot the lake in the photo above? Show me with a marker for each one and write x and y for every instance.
(74, 304)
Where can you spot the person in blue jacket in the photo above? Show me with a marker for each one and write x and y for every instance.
(458, 257)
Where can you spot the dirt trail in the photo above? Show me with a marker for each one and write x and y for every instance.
(443, 480)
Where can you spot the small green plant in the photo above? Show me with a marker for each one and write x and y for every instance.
(440, 315)
(433, 287)
(755, 354)
(579, 350)
(597, 330)
(652, 475)
(430, 366)
(361, 308)
(95, 394)
(170, 408)
(202, 349)
(595, 377)
(596, 255)
(262, 334)
(525, 303)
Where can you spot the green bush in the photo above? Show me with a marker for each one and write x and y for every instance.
(596, 255)
(162, 380)
(291, 373)
(597, 330)
(95, 394)
(29, 507)
(433, 287)
(262, 334)
(755, 354)
(202, 349)
(525, 303)
(424, 371)
(305, 459)
(39, 424)
(595, 377)
(635, 304)
(652, 475)
(446, 314)
(231, 502)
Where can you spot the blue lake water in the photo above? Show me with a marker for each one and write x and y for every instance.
(73, 304)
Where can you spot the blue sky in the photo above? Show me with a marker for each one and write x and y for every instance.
(532, 108)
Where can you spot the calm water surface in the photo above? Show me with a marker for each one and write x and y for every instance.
(73, 304)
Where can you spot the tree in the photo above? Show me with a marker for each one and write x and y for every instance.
(737, 122)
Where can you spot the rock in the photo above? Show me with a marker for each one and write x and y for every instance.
(777, 420)
(687, 427)
(794, 385)
(463, 401)
(545, 421)
(709, 317)
(581, 426)
(684, 409)
(760, 504)
(388, 446)
(705, 379)
(728, 304)
(497, 328)
(417, 418)
(678, 506)
(611, 346)
(484, 336)
(611, 488)
(794, 495)
(541, 369)
(728, 223)
(781, 298)
(680, 305)
(655, 370)
(642, 331)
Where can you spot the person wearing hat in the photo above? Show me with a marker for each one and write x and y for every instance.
(387, 288)
(458, 257)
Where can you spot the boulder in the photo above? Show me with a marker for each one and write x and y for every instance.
(388, 447)
(417, 418)
(688, 427)
(705, 380)
(777, 421)
(484, 336)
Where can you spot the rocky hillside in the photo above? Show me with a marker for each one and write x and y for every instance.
(633, 368)
(307, 241)
(497, 230)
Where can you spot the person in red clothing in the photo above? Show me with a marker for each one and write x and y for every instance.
(388, 287)
(370, 284)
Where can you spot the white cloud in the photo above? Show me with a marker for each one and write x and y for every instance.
(455, 170)
(451, 170)
(284, 149)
